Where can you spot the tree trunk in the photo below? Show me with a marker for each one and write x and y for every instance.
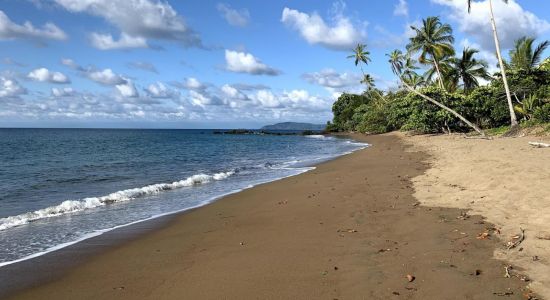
(440, 78)
(513, 118)
(441, 105)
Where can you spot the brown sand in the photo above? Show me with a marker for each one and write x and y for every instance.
(347, 230)
(505, 180)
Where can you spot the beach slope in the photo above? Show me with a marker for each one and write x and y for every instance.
(350, 229)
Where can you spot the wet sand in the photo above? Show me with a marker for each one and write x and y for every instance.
(350, 229)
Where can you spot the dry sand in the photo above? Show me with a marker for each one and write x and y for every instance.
(505, 180)
(349, 229)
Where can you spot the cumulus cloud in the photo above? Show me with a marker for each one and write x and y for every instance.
(107, 42)
(239, 18)
(401, 9)
(10, 88)
(63, 92)
(10, 30)
(242, 62)
(340, 34)
(145, 66)
(127, 89)
(106, 77)
(512, 21)
(45, 75)
(138, 20)
(161, 91)
(331, 78)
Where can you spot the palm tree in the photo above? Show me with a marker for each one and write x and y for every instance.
(434, 40)
(513, 119)
(415, 80)
(397, 61)
(524, 57)
(468, 69)
(368, 80)
(360, 55)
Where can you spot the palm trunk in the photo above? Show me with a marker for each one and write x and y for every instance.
(513, 118)
(440, 78)
(441, 105)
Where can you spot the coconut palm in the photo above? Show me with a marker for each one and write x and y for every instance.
(434, 41)
(524, 56)
(397, 62)
(513, 119)
(360, 55)
(368, 80)
(468, 70)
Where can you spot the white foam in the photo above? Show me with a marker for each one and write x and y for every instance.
(317, 136)
(71, 206)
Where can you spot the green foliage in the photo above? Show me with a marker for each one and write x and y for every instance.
(344, 109)
(542, 113)
(487, 107)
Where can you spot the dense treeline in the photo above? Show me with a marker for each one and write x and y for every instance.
(441, 91)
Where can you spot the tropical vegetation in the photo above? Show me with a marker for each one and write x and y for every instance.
(444, 90)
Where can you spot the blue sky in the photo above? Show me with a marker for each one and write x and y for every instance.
(212, 64)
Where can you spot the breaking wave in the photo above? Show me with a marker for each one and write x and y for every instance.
(71, 206)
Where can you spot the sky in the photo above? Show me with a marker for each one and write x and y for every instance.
(211, 64)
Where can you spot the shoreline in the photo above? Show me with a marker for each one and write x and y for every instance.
(198, 260)
(300, 170)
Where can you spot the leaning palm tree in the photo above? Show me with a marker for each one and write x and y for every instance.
(368, 80)
(433, 40)
(524, 57)
(468, 70)
(415, 81)
(513, 119)
(360, 56)
(397, 62)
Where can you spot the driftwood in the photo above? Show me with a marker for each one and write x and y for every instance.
(507, 270)
(520, 239)
(539, 145)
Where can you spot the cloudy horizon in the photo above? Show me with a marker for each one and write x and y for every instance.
(238, 64)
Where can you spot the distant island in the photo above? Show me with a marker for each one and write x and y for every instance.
(294, 126)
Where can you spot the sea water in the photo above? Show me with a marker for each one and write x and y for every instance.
(60, 186)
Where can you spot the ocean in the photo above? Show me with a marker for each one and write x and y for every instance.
(61, 186)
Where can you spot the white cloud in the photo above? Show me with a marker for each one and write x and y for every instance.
(331, 78)
(63, 92)
(107, 42)
(127, 89)
(138, 20)
(267, 99)
(512, 21)
(401, 9)
(193, 84)
(233, 16)
(45, 75)
(341, 35)
(10, 88)
(202, 98)
(161, 91)
(106, 77)
(233, 93)
(242, 62)
(11, 30)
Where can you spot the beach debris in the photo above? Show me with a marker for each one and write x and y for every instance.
(536, 258)
(516, 240)
(347, 230)
(539, 145)
(463, 216)
(384, 250)
(396, 293)
(483, 235)
(502, 294)
(335, 268)
(543, 235)
(241, 243)
(416, 204)
(119, 288)
(477, 272)
(507, 270)
(410, 277)
(324, 273)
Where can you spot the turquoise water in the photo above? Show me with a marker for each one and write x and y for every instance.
(60, 186)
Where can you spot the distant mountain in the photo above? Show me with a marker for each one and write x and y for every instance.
(294, 126)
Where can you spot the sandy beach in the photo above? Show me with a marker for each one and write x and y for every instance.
(353, 228)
